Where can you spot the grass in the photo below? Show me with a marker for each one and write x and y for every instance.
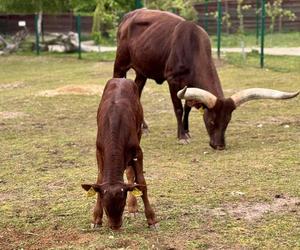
(288, 39)
(49, 151)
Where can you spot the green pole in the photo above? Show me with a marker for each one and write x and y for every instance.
(257, 21)
(206, 15)
(37, 35)
(219, 27)
(262, 34)
(138, 4)
(78, 29)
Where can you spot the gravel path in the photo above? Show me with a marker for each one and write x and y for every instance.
(292, 51)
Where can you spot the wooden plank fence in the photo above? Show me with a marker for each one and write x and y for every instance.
(62, 23)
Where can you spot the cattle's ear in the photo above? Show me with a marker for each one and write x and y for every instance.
(96, 187)
(130, 187)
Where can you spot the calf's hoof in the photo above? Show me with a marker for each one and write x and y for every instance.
(133, 214)
(95, 226)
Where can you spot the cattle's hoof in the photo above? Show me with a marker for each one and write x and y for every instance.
(154, 226)
(95, 226)
(183, 141)
(145, 131)
(133, 214)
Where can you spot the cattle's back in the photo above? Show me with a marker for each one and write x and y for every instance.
(120, 109)
(146, 34)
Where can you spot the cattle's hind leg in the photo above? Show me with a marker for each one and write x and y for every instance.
(122, 62)
(150, 215)
(140, 81)
(131, 200)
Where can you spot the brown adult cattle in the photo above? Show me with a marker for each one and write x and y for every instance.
(119, 120)
(162, 46)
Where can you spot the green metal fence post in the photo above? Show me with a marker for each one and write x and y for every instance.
(262, 33)
(206, 15)
(37, 35)
(78, 29)
(257, 21)
(219, 27)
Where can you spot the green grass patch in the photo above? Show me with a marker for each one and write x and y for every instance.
(48, 149)
(288, 39)
(275, 63)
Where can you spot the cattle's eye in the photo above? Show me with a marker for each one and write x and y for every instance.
(212, 122)
(122, 189)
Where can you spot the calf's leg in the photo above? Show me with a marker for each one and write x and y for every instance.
(150, 215)
(98, 210)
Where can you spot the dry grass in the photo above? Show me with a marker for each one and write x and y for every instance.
(200, 195)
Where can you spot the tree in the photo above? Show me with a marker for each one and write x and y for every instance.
(275, 10)
(34, 6)
(240, 9)
(181, 7)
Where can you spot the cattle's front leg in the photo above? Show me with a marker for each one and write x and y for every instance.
(140, 81)
(187, 110)
(177, 105)
(150, 215)
(131, 200)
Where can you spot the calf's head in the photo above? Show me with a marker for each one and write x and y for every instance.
(217, 114)
(113, 199)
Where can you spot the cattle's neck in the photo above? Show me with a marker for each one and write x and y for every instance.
(209, 80)
(114, 166)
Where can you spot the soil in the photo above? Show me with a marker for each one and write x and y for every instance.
(255, 211)
(73, 90)
(11, 115)
(11, 85)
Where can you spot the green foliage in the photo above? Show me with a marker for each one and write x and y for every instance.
(240, 9)
(275, 10)
(181, 7)
(33, 6)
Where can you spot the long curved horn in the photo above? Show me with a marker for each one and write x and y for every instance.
(260, 93)
(203, 96)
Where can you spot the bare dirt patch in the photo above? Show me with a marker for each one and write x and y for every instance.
(13, 239)
(73, 90)
(255, 211)
(11, 115)
(14, 85)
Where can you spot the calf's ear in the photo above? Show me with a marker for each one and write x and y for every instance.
(87, 187)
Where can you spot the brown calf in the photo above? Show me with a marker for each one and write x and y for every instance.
(119, 120)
